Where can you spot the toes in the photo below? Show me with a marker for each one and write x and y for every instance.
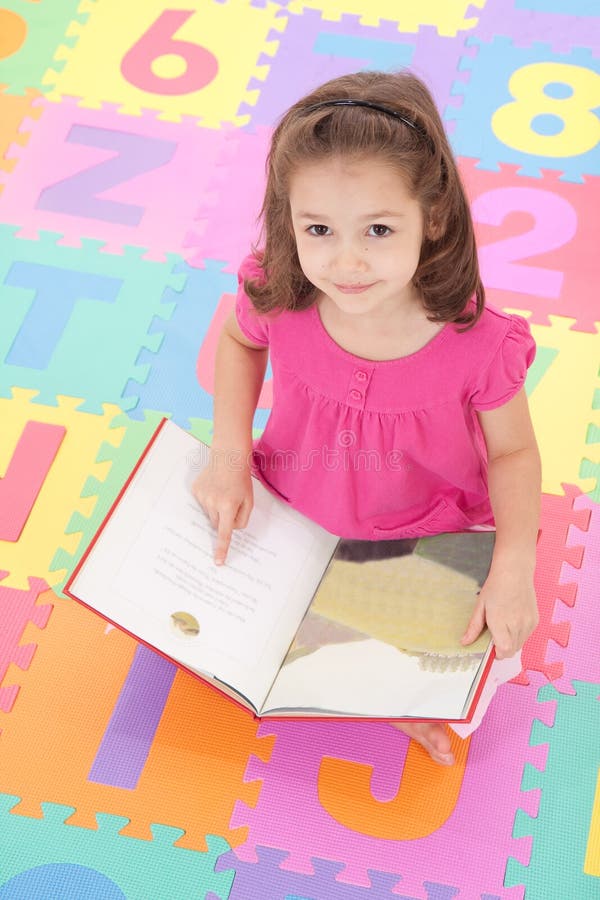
(439, 750)
(432, 737)
(445, 759)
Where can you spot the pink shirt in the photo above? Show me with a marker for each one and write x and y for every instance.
(390, 449)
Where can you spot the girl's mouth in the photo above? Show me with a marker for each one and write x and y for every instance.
(353, 288)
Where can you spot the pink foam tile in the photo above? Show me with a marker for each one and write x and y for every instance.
(120, 179)
(554, 598)
(17, 609)
(227, 225)
(537, 240)
(581, 655)
(469, 850)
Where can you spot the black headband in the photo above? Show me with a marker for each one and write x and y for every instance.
(369, 105)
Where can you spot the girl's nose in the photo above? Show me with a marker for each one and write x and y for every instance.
(351, 258)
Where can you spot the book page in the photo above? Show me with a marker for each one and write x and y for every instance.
(173, 556)
(152, 572)
(382, 635)
(373, 679)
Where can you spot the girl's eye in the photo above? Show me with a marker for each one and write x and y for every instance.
(379, 230)
(318, 230)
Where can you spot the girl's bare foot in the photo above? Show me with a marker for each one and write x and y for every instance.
(433, 736)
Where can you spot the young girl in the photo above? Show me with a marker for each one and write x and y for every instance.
(398, 400)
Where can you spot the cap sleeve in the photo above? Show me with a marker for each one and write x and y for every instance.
(507, 370)
(254, 326)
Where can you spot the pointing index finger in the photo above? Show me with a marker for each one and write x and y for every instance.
(224, 532)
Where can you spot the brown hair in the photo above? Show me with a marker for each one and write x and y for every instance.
(448, 272)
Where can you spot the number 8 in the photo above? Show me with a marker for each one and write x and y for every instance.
(512, 123)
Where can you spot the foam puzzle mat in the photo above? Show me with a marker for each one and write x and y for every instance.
(132, 141)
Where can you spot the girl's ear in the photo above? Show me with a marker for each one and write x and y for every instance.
(435, 227)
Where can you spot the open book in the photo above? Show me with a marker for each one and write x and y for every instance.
(297, 622)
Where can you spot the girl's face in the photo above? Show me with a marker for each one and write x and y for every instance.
(358, 232)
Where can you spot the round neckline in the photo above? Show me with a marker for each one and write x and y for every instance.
(437, 338)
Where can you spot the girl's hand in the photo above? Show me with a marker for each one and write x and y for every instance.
(225, 494)
(508, 605)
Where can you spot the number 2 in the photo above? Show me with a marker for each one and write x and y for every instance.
(555, 223)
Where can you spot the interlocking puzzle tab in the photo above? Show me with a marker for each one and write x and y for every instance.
(561, 829)
(580, 658)
(562, 24)
(189, 776)
(532, 107)
(179, 62)
(567, 384)
(119, 452)
(449, 17)
(42, 856)
(75, 319)
(19, 608)
(318, 48)
(553, 550)
(59, 494)
(29, 35)
(269, 880)
(17, 115)
(98, 174)
(181, 370)
(380, 776)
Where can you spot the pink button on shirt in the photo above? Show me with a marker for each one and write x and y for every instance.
(382, 450)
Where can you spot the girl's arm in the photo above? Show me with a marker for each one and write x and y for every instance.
(507, 600)
(224, 487)
(239, 374)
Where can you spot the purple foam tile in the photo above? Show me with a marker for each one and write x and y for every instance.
(316, 50)
(269, 880)
(523, 25)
